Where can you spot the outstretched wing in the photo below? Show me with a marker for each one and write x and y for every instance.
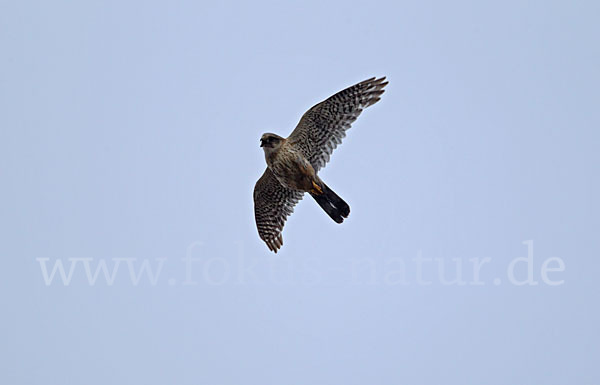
(322, 127)
(273, 203)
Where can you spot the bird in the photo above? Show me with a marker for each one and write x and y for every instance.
(293, 163)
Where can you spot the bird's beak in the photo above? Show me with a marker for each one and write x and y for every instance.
(262, 144)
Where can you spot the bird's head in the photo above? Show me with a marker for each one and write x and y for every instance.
(270, 142)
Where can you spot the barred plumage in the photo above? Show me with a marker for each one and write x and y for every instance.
(293, 163)
(273, 203)
(322, 128)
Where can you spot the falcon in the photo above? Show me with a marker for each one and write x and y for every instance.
(293, 163)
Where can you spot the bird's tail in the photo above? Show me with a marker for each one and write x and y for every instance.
(333, 205)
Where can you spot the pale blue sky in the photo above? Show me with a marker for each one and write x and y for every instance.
(130, 129)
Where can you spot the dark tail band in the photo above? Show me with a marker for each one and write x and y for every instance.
(333, 205)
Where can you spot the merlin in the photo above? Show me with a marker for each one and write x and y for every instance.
(293, 162)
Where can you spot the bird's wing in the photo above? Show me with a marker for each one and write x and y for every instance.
(273, 203)
(323, 126)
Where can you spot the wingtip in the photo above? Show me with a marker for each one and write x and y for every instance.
(274, 244)
(376, 83)
(382, 81)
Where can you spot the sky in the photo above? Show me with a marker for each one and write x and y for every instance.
(129, 149)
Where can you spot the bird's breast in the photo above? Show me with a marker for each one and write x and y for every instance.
(292, 170)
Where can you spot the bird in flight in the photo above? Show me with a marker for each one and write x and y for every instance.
(293, 162)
